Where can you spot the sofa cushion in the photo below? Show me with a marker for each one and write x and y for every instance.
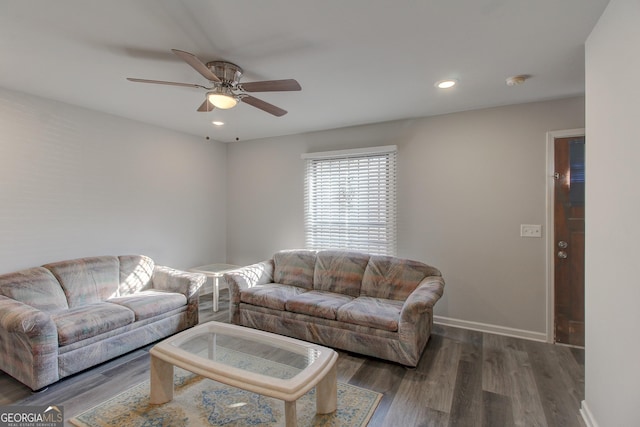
(87, 280)
(294, 267)
(340, 272)
(135, 273)
(393, 278)
(271, 295)
(150, 303)
(375, 313)
(317, 303)
(89, 320)
(36, 287)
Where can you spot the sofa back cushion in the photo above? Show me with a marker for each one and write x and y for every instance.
(340, 272)
(87, 280)
(135, 274)
(394, 278)
(294, 267)
(36, 287)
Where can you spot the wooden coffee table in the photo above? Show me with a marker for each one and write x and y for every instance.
(284, 368)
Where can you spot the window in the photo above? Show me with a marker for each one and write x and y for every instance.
(350, 200)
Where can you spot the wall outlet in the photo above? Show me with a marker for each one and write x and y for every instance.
(530, 230)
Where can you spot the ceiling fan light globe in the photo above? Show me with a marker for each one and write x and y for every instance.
(222, 101)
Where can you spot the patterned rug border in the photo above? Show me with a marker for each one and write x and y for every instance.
(185, 380)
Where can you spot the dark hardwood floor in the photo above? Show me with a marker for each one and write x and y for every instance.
(464, 378)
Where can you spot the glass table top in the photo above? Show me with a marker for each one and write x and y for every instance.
(249, 354)
(214, 268)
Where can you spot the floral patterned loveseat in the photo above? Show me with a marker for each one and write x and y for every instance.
(67, 316)
(374, 305)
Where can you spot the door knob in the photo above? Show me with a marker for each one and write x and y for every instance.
(562, 254)
(562, 244)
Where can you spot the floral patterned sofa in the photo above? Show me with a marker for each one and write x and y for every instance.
(374, 305)
(67, 316)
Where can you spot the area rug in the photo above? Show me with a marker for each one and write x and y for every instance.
(199, 401)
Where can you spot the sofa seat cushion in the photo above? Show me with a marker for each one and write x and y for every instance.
(317, 304)
(375, 313)
(87, 321)
(271, 295)
(150, 303)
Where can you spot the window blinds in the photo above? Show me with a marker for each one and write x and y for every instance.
(350, 200)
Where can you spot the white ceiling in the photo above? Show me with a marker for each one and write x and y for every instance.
(358, 61)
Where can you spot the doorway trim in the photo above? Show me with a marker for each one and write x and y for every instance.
(550, 246)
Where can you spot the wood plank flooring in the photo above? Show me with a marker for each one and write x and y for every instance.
(465, 378)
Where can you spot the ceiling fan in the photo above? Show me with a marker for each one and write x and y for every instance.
(226, 89)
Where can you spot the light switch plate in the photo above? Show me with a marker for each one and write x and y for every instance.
(530, 230)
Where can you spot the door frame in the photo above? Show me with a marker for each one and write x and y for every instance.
(550, 234)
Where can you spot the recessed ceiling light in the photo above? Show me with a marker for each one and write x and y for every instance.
(446, 84)
(517, 80)
(217, 123)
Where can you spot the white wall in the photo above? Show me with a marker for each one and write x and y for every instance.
(466, 182)
(74, 183)
(613, 211)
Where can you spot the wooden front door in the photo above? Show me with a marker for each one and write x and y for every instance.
(569, 240)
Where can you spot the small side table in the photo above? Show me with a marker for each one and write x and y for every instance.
(215, 271)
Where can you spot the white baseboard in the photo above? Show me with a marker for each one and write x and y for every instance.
(491, 329)
(587, 416)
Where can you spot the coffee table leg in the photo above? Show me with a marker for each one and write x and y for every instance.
(290, 417)
(327, 393)
(161, 383)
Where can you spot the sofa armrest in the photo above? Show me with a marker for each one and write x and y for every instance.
(244, 278)
(422, 299)
(248, 277)
(172, 280)
(188, 284)
(28, 343)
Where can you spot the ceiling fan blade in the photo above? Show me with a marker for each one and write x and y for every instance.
(198, 65)
(206, 106)
(162, 82)
(271, 86)
(264, 106)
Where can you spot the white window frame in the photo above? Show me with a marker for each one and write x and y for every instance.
(350, 200)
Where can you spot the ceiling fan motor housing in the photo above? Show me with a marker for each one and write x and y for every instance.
(227, 72)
